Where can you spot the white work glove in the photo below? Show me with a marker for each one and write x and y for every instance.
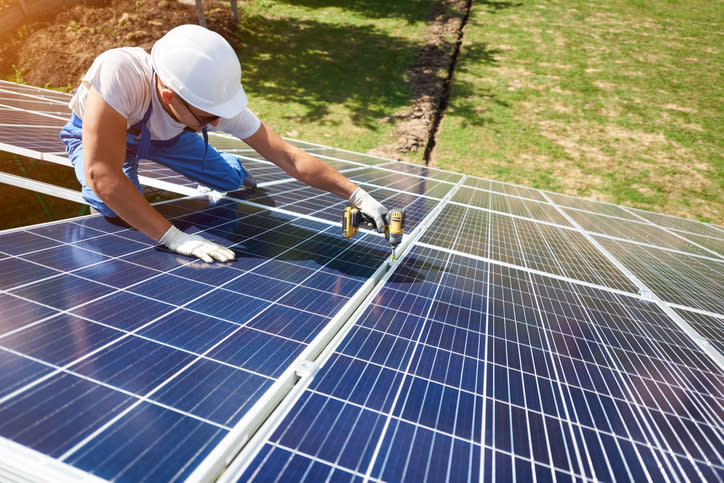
(195, 246)
(370, 207)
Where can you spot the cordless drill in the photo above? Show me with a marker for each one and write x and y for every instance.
(394, 225)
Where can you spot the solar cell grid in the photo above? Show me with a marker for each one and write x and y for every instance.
(524, 243)
(331, 153)
(173, 358)
(675, 277)
(402, 182)
(159, 172)
(294, 196)
(26, 90)
(681, 224)
(533, 372)
(516, 190)
(509, 204)
(423, 171)
(339, 165)
(26, 134)
(31, 119)
(460, 228)
(226, 142)
(591, 205)
(714, 245)
(634, 231)
(443, 233)
(472, 196)
(710, 326)
(567, 252)
(475, 182)
(57, 109)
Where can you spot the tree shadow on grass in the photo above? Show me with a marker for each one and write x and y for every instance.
(370, 8)
(317, 64)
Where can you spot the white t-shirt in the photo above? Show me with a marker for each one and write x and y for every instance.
(124, 78)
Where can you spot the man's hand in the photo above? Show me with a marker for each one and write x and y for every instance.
(370, 207)
(195, 246)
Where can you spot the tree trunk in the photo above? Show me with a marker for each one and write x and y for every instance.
(235, 10)
(200, 11)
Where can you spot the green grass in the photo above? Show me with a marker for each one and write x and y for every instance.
(330, 74)
(619, 101)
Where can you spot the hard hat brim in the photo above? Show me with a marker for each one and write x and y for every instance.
(231, 107)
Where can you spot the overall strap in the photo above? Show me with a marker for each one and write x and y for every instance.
(205, 134)
(144, 142)
(144, 139)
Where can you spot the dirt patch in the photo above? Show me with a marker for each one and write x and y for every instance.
(57, 53)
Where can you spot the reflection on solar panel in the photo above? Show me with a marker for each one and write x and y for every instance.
(520, 335)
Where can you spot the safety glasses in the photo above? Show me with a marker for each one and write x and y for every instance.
(202, 121)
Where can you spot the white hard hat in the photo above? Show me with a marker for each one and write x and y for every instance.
(201, 67)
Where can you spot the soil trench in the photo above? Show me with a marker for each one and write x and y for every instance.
(430, 79)
(445, 95)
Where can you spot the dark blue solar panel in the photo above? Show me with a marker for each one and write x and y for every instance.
(145, 333)
(16, 312)
(19, 371)
(86, 406)
(61, 291)
(561, 380)
(17, 272)
(180, 443)
(19, 242)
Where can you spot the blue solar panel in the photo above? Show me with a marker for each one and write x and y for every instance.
(521, 335)
(186, 344)
(479, 371)
(678, 278)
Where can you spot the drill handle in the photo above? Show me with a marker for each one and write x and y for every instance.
(365, 218)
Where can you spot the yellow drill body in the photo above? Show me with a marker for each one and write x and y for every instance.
(394, 225)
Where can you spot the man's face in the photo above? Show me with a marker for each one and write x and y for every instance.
(198, 119)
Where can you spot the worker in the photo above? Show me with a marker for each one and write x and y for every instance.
(132, 105)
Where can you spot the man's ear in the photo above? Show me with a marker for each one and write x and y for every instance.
(166, 93)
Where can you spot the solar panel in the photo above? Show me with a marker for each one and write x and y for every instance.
(487, 372)
(520, 335)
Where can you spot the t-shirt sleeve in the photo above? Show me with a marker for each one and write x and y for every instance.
(242, 126)
(121, 84)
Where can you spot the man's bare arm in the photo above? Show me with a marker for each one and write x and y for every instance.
(104, 150)
(299, 164)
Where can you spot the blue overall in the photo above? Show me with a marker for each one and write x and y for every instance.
(188, 153)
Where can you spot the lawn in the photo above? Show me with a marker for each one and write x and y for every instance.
(330, 72)
(619, 101)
